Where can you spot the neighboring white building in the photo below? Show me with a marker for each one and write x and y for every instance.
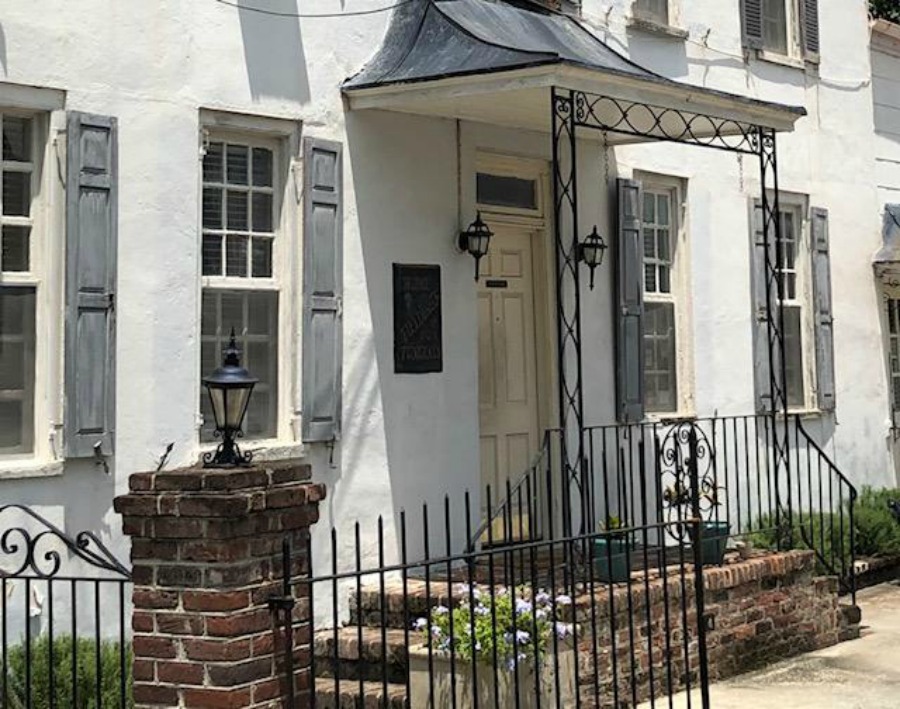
(207, 107)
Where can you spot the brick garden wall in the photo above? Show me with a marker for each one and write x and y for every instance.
(762, 609)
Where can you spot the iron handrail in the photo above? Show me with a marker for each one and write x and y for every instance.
(501, 507)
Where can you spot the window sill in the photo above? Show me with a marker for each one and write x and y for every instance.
(24, 469)
(651, 26)
(264, 451)
(781, 59)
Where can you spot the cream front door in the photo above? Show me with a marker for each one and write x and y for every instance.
(507, 362)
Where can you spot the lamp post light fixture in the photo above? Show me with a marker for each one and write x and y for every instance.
(476, 240)
(591, 251)
(229, 388)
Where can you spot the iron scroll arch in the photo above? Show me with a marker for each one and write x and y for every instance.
(572, 110)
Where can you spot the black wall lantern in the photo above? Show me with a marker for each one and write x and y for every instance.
(591, 251)
(229, 389)
(476, 240)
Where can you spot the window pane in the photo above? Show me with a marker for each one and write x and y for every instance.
(253, 314)
(16, 139)
(662, 202)
(262, 212)
(212, 208)
(775, 25)
(262, 167)
(236, 255)
(665, 285)
(793, 356)
(17, 348)
(16, 248)
(237, 210)
(237, 157)
(262, 258)
(212, 163)
(650, 278)
(16, 194)
(655, 9)
(649, 243)
(663, 237)
(661, 393)
(505, 191)
(212, 255)
(649, 208)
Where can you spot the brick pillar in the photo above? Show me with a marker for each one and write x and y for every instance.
(206, 553)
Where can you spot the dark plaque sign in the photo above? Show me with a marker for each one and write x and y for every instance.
(417, 319)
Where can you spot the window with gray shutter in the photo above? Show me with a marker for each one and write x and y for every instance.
(809, 28)
(752, 23)
(824, 320)
(630, 287)
(91, 236)
(322, 289)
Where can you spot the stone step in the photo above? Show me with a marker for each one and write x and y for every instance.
(342, 654)
(348, 696)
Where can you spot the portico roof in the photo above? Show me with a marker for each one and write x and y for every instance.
(495, 61)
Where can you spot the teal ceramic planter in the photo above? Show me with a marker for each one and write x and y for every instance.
(611, 560)
(714, 542)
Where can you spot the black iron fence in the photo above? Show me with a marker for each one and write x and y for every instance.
(640, 474)
(64, 617)
(559, 622)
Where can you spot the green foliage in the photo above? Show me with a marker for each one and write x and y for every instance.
(820, 531)
(877, 532)
(516, 625)
(885, 9)
(61, 686)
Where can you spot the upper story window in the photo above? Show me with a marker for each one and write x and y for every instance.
(653, 10)
(242, 284)
(786, 28)
(19, 283)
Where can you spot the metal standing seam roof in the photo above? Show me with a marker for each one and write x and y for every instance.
(428, 40)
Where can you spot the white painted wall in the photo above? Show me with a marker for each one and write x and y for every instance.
(409, 439)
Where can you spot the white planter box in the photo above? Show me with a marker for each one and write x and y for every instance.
(466, 689)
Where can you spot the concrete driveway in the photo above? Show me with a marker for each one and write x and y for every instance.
(860, 674)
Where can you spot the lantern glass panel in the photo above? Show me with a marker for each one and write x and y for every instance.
(235, 405)
(217, 399)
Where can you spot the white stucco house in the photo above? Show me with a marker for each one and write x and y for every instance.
(173, 170)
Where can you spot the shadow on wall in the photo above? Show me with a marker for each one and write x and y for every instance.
(273, 51)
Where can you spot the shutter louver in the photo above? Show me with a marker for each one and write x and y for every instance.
(823, 310)
(630, 285)
(91, 239)
(752, 23)
(809, 25)
(761, 365)
(322, 290)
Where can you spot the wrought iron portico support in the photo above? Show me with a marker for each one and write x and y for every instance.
(572, 110)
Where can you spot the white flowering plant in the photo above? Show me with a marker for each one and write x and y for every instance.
(517, 624)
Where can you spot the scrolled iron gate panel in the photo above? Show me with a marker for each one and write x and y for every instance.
(64, 617)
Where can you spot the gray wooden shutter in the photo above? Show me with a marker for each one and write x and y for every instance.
(761, 369)
(91, 236)
(322, 289)
(809, 28)
(752, 23)
(630, 285)
(824, 319)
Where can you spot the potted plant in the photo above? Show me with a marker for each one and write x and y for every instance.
(611, 552)
(517, 628)
(714, 533)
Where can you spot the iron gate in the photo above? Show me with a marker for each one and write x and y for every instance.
(64, 617)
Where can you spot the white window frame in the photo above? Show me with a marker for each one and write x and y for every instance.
(680, 294)
(798, 205)
(46, 273)
(283, 137)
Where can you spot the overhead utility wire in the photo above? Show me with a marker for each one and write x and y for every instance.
(275, 13)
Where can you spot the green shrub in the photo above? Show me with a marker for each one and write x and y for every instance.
(61, 686)
(877, 532)
(819, 531)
